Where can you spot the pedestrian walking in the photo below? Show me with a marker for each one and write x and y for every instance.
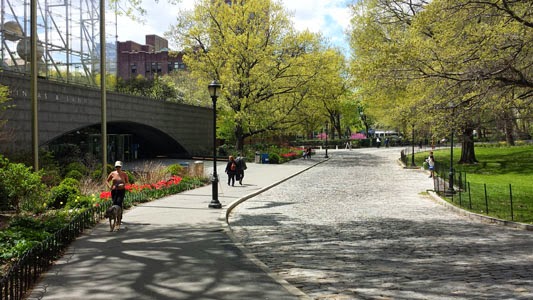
(117, 181)
(231, 170)
(431, 164)
(307, 153)
(241, 166)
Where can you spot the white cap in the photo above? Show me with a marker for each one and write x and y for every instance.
(118, 163)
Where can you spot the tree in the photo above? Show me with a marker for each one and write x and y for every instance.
(480, 53)
(158, 88)
(252, 49)
(449, 61)
(330, 88)
(5, 135)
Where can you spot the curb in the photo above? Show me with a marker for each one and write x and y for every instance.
(471, 215)
(478, 217)
(227, 229)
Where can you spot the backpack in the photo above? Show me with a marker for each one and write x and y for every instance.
(233, 166)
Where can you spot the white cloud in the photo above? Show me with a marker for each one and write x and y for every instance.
(330, 17)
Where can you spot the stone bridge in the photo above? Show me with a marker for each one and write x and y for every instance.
(70, 116)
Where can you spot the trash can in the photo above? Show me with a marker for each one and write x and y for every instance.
(198, 168)
(264, 158)
(185, 166)
(257, 157)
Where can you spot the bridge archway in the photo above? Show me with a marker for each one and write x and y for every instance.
(126, 141)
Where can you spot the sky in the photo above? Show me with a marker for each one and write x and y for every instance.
(330, 17)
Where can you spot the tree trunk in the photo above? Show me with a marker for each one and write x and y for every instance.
(239, 137)
(508, 128)
(468, 155)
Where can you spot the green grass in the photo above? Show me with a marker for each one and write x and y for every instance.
(505, 172)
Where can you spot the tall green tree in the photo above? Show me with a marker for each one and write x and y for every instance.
(329, 90)
(5, 135)
(252, 48)
(446, 63)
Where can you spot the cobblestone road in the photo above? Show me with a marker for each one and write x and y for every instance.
(359, 226)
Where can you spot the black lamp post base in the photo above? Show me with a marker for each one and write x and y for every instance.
(215, 204)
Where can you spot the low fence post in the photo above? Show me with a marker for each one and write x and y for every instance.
(469, 196)
(511, 200)
(486, 199)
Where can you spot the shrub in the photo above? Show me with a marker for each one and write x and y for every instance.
(82, 201)
(175, 169)
(50, 177)
(25, 231)
(65, 192)
(96, 175)
(20, 188)
(131, 177)
(70, 182)
(76, 166)
(74, 174)
(273, 158)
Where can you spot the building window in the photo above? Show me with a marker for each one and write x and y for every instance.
(178, 65)
(133, 69)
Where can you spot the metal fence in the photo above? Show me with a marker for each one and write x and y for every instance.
(497, 200)
(25, 272)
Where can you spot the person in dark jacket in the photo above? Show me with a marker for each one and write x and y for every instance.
(241, 166)
(231, 170)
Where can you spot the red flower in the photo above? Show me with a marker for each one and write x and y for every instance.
(105, 195)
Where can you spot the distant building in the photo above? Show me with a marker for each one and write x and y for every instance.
(153, 58)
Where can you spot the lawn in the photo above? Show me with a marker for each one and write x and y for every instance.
(502, 177)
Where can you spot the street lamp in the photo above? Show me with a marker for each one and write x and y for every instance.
(413, 146)
(363, 119)
(451, 190)
(214, 91)
(326, 140)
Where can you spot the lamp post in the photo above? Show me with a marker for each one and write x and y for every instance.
(451, 190)
(214, 91)
(326, 156)
(413, 146)
(363, 119)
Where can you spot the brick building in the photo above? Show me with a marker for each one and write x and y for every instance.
(153, 58)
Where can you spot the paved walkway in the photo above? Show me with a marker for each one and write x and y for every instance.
(360, 227)
(356, 226)
(171, 248)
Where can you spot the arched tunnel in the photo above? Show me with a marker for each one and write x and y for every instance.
(125, 141)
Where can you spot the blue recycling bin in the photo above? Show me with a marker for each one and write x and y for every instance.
(264, 158)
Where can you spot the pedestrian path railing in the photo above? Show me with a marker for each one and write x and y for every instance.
(25, 272)
(500, 201)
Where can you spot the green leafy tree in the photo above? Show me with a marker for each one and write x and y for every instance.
(189, 89)
(252, 48)
(5, 135)
(157, 88)
(444, 64)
